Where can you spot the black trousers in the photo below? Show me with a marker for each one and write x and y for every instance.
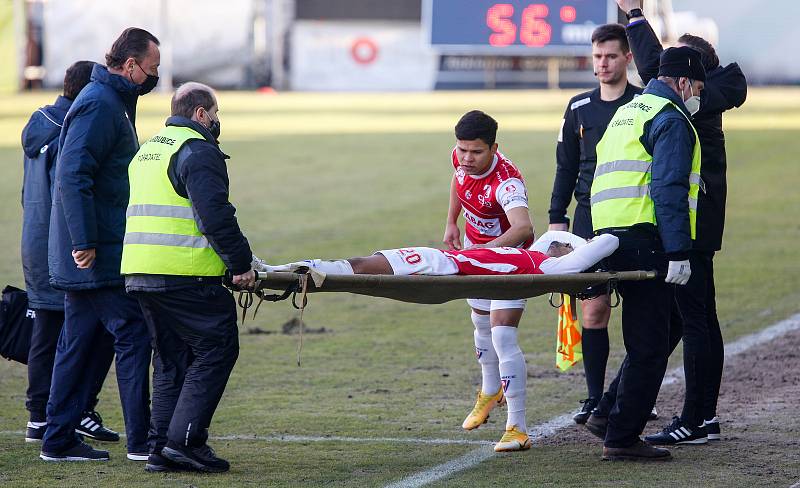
(47, 325)
(646, 307)
(196, 344)
(694, 320)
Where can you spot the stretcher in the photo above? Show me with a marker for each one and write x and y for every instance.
(440, 289)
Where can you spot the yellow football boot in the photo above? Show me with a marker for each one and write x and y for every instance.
(483, 405)
(513, 440)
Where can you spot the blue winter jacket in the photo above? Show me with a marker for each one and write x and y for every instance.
(40, 147)
(669, 137)
(97, 142)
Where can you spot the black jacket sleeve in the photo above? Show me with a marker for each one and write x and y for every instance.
(646, 49)
(202, 170)
(567, 167)
(670, 140)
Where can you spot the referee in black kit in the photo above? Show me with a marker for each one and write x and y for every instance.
(584, 124)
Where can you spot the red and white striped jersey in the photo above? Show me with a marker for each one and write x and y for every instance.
(497, 261)
(486, 198)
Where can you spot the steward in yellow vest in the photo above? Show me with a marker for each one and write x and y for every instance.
(180, 238)
(645, 192)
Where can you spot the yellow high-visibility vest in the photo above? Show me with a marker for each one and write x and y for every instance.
(161, 234)
(620, 192)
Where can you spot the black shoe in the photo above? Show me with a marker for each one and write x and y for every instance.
(80, 452)
(34, 431)
(653, 415)
(638, 451)
(156, 463)
(678, 432)
(91, 426)
(712, 428)
(597, 424)
(200, 458)
(588, 405)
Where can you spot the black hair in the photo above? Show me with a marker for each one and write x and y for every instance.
(132, 43)
(77, 76)
(612, 32)
(708, 55)
(190, 98)
(476, 125)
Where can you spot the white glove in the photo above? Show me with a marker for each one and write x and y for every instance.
(678, 272)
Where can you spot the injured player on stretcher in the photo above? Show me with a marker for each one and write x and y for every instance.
(555, 252)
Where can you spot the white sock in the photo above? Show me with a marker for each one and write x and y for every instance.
(513, 373)
(340, 266)
(487, 357)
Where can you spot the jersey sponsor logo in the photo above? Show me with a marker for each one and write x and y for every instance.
(488, 227)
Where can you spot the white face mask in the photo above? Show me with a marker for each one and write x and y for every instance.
(693, 102)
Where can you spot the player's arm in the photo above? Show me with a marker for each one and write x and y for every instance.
(452, 234)
(521, 230)
(582, 258)
(567, 167)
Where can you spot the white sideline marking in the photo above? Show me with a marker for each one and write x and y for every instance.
(550, 427)
(311, 438)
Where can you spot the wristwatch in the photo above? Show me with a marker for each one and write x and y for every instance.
(637, 12)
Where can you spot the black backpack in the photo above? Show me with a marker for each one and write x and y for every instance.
(16, 325)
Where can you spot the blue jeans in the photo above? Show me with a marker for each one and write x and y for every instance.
(87, 313)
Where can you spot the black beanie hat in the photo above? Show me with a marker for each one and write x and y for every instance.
(682, 61)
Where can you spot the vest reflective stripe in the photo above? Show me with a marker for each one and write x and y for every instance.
(620, 193)
(624, 165)
(161, 235)
(624, 192)
(145, 210)
(153, 239)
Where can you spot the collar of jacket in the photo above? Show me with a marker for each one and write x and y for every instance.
(62, 103)
(660, 89)
(180, 121)
(127, 90)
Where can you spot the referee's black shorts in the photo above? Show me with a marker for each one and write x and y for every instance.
(582, 226)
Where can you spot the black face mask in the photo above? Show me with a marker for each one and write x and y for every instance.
(214, 128)
(148, 84)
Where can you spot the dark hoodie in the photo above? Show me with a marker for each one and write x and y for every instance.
(725, 88)
(40, 145)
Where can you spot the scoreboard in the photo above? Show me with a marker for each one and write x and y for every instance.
(515, 27)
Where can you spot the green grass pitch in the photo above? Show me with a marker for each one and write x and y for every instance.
(339, 175)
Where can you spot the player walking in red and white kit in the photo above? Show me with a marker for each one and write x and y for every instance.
(490, 192)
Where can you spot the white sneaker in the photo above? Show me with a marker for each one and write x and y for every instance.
(138, 456)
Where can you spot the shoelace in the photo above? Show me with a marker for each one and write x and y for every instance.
(95, 416)
(675, 425)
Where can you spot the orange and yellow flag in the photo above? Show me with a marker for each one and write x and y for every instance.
(568, 338)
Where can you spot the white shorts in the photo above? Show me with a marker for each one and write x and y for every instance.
(489, 305)
(419, 261)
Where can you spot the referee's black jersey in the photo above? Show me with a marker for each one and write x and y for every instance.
(585, 122)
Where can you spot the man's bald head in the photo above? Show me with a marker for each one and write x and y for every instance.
(191, 95)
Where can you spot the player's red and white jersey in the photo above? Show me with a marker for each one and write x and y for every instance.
(485, 261)
(486, 198)
(497, 261)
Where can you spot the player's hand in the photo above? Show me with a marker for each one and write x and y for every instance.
(628, 5)
(678, 272)
(564, 227)
(84, 259)
(452, 237)
(245, 280)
